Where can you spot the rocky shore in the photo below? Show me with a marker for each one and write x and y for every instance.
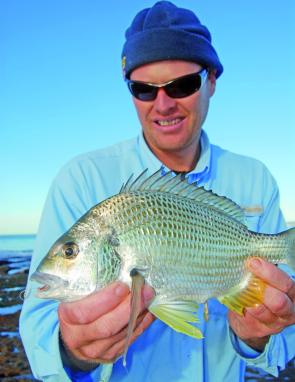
(14, 365)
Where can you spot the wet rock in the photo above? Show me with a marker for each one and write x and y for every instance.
(14, 365)
(13, 358)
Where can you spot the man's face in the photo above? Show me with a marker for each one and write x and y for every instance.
(172, 126)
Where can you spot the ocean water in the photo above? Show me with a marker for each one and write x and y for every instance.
(17, 251)
(17, 243)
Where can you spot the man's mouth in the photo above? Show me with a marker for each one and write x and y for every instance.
(168, 122)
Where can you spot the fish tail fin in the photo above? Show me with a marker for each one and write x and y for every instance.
(290, 235)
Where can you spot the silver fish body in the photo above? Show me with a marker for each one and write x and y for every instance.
(182, 248)
(188, 244)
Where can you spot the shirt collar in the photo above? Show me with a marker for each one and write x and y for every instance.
(202, 168)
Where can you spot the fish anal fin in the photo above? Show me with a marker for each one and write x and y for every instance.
(136, 287)
(245, 295)
(178, 315)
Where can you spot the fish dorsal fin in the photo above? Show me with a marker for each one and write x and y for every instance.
(172, 184)
(221, 203)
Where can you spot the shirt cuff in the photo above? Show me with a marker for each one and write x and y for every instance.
(82, 371)
(71, 362)
(268, 360)
(242, 348)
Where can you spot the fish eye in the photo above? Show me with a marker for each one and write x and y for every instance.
(70, 250)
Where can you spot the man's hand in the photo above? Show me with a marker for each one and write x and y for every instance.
(276, 313)
(94, 329)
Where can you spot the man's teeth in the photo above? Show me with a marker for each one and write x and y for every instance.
(169, 122)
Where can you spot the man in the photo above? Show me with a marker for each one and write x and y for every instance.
(171, 70)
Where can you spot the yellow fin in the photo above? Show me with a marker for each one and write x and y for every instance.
(177, 315)
(240, 297)
(137, 284)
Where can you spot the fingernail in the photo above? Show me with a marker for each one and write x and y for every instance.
(121, 290)
(255, 263)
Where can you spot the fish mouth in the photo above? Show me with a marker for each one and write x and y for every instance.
(48, 281)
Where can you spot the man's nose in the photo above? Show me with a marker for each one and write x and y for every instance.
(163, 103)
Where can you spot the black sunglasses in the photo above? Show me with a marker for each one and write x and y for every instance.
(180, 87)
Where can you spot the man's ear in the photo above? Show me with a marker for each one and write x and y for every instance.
(212, 81)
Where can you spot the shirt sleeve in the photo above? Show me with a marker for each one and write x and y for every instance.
(272, 219)
(280, 348)
(100, 374)
(277, 353)
(39, 326)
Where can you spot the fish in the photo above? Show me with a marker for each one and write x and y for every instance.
(188, 243)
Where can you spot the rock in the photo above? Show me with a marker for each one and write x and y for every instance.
(13, 358)
(14, 365)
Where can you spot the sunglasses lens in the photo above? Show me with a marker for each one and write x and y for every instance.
(178, 88)
(184, 87)
(142, 92)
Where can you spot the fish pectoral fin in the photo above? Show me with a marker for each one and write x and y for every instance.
(136, 287)
(240, 297)
(177, 315)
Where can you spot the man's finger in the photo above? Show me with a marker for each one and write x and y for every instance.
(291, 291)
(278, 302)
(114, 346)
(106, 326)
(245, 326)
(118, 348)
(272, 275)
(262, 314)
(93, 306)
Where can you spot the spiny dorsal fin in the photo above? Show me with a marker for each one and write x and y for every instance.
(172, 184)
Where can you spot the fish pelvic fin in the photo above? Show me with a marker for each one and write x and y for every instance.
(248, 293)
(136, 287)
(178, 315)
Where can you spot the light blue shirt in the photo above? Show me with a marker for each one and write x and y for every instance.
(159, 353)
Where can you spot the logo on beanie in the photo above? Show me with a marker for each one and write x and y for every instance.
(124, 66)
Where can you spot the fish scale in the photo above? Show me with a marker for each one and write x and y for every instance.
(188, 243)
(182, 221)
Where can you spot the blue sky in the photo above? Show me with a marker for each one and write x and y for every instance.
(62, 93)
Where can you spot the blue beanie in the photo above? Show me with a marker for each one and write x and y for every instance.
(166, 32)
